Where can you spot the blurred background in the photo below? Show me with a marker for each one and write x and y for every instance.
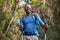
(12, 10)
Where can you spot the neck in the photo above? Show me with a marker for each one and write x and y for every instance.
(28, 13)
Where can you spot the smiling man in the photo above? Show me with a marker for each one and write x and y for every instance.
(28, 24)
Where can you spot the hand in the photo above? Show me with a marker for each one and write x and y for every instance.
(46, 27)
(21, 26)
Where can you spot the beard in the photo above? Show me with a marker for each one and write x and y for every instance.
(28, 12)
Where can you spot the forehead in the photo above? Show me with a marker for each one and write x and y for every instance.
(27, 6)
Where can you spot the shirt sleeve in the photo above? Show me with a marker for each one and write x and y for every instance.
(21, 21)
(39, 19)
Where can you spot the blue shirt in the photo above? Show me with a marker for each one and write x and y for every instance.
(29, 22)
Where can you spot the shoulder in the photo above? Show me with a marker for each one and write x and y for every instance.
(21, 18)
(35, 14)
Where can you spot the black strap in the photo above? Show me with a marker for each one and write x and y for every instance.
(29, 33)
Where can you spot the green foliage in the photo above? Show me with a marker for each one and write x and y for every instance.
(0, 2)
(35, 2)
(5, 17)
(9, 2)
(2, 36)
(5, 14)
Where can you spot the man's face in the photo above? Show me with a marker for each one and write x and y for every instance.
(28, 9)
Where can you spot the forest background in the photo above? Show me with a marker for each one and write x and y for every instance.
(10, 12)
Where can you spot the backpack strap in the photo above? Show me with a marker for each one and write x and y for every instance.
(33, 17)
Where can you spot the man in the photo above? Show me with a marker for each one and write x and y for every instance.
(28, 24)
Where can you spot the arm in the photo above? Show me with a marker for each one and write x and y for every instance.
(44, 25)
(39, 19)
(21, 25)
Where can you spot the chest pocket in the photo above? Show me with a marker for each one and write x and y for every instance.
(28, 19)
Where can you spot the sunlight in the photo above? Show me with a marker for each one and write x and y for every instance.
(21, 3)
